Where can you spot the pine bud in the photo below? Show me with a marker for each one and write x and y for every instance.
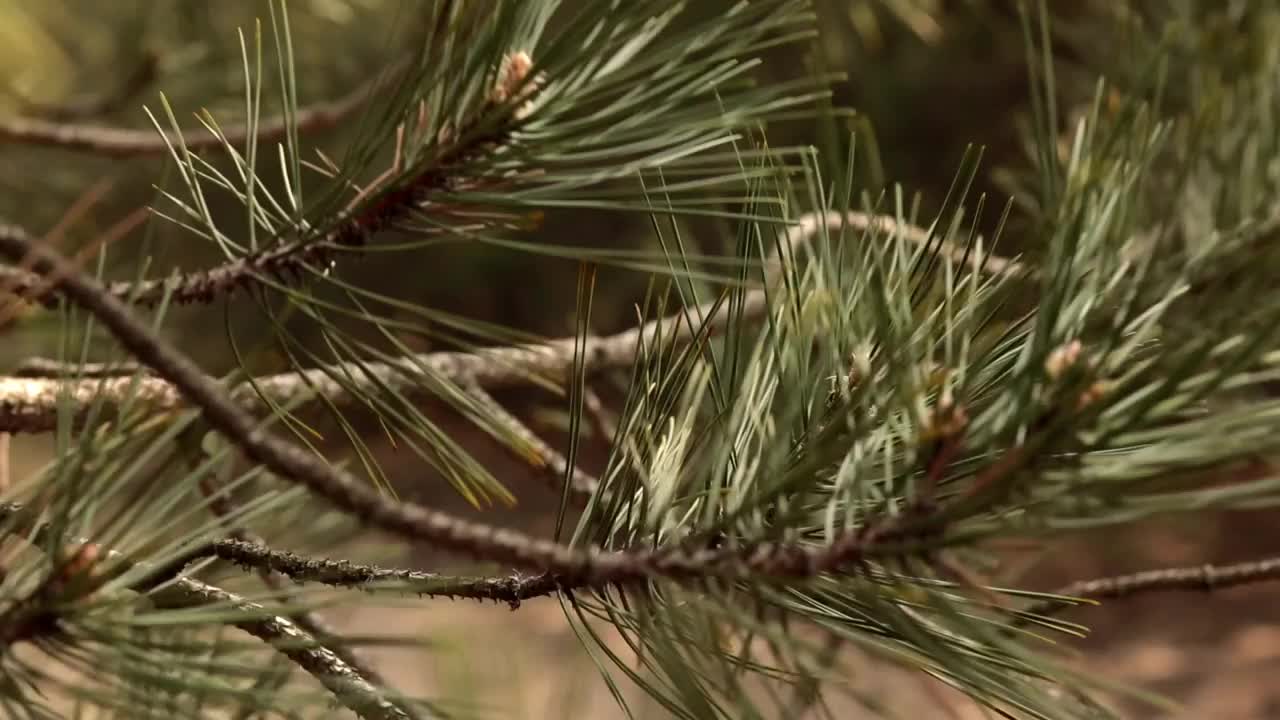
(1063, 359)
(512, 75)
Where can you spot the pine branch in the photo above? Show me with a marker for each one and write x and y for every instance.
(352, 690)
(120, 142)
(30, 617)
(287, 262)
(290, 261)
(364, 218)
(1201, 578)
(30, 404)
(309, 621)
(592, 566)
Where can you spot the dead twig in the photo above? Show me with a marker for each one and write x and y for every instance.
(123, 142)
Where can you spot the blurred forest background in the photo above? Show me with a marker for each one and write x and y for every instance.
(927, 79)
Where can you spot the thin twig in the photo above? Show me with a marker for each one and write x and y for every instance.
(90, 196)
(888, 226)
(6, 478)
(591, 565)
(353, 691)
(11, 306)
(123, 142)
(606, 426)
(29, 404)
(1201, 578)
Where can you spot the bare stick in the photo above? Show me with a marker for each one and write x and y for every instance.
(29, 404)
(120, 142)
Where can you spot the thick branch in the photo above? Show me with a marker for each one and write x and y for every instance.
(340, 573)
(595, 566)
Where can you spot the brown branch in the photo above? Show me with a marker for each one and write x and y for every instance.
(1201, 578)
(251, 553)
(122, 142)
(39, 288)
(341, 573)
(282, 263)
(591, 566)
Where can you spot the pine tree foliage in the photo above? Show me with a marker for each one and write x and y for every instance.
(823, 430)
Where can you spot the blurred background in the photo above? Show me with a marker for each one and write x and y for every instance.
(927, 78)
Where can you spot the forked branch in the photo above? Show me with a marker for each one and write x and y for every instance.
(595, 566)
